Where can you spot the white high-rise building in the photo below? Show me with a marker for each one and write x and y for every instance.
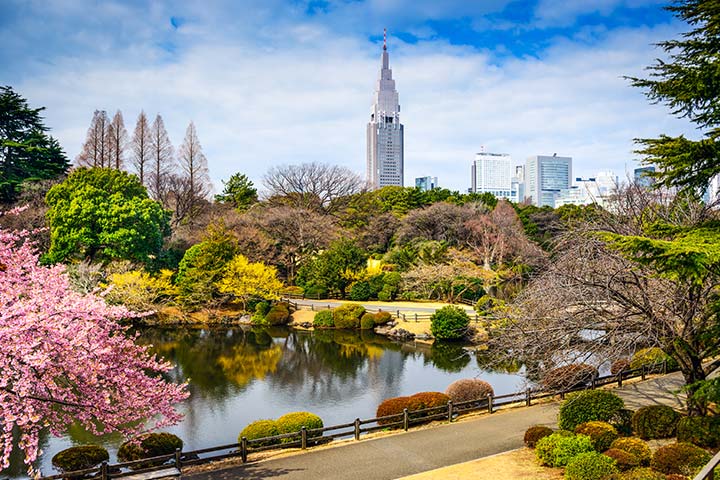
(493, 173)
(545, 177)
(385, 152)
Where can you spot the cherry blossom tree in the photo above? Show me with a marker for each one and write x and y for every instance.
(65, 359)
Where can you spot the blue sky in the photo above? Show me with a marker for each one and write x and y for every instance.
(270, 82)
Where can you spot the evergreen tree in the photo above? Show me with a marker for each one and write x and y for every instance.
(27, 152)
(239, 191)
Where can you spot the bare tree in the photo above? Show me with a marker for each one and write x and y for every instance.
(117, 141)
(312, 186)
(95, 151)
(440, 221)
(161, 163)
(141, 147)
(193, 165)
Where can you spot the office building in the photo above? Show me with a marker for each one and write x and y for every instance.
(426, 183)
(492, 173)
(585, 191)
(642, 176)
(545, 177)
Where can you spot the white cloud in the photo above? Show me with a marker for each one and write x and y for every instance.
(563, 13)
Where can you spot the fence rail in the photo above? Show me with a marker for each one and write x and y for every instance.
(708, 471)
(309, 437)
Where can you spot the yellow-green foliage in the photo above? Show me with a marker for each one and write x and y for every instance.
(293, 422)
(602, 434)
(138, 290)
(635, 446)
(652, 357)
(348, 315)
(246, 280)
(80, 458)
(260, 429)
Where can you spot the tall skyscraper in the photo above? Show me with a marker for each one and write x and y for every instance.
(385, 153)
(545, 177)
(426, 183)
(492, 173)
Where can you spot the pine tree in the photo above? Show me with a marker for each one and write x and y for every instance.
(117, 141)
(161, 163)
(95, 151)
(141, 147)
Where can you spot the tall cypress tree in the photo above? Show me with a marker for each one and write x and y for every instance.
(27, 152)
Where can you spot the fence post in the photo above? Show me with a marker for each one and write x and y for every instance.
(642, 372)
(416, 318)
(177, 460)
(303, 438)
(592, 383)
(620, 379)
(477, 318)
(329, 307)
(490, 402)
(450, 410)
(243, 449)
(562, 394)
(404, 319)
(398, 314)
(664, 366)
(357, 429)
(312, 307)
(406, 419)
(527, 397)
(104, 470)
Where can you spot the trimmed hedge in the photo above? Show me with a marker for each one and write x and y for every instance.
(279, 314)
(80, 458)
(391, 406)
(260, 429)
(367, 322)
(624, 460)
(622, 421)
(569, 376)
(147, 446)
(348, 316)
(653, 356)
(680, 458)
(535, 433)
(467, 389)
(701, 431)
(382, 317)
(590, 466)
(619, 365)
(634, 446)
(638, 474)
(655, 421)
(449, 323)
(602, 434)
(557, 449)
(588, 405)
(323, 319)
(293, 422)
(423, 400)
(419, 401)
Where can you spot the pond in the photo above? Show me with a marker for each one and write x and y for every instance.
(239, 375)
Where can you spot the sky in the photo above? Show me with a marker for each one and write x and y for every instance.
(284, 82)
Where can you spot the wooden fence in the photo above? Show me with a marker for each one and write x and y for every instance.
(172, 464)
(404, 316)
(708, 472)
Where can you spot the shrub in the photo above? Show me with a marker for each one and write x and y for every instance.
(382, 317)
(557, 449)
(449, 323)
(260, 429)
(261, 310)
(588, 406)
(149, 445)
(590, 466)
(387, 293)
(293, 422)
(602, 434)
(655, 421)
(424, 400)
(701, 431)
(638, 474)
(323, 319)
(139, 290)
(535, 433)
(624, 460)
(680, 458)
(279, 314)
(79, 458)
(634, 446)
(652, 357)
(391, 406)
(622, 421)
(316, 291)
(619, 365)
(348, 315)
(676, 476)
(367, 322)
(467, 389)
(360, 291)
(569, 376)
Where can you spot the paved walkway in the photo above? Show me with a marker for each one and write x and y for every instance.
(403, 307)
(417, 451)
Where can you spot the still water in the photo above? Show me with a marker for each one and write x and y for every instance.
(239, 375)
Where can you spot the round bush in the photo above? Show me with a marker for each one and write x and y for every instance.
(323, 319)
(367, 322)
(360, 292)
(655, 421)
(449, 323)
(652, 357)
(634, 446)
(623, 460)
(149, 445)
(587, 406)
(391, 406)
(260, 429)
(80, 458)
(639, 474)
(424, 400)
(535, 433)
(680, 458)
(676, 476)
(467, 389)
(569, 376)
(622, 421)
(619, 365)
(602, 434)
(701, 431)
(293, 422)
(279, 314)
(382, 317)
(557, 449)
(590, 466)
(348, 316)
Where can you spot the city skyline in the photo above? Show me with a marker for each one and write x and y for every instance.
(524, 78)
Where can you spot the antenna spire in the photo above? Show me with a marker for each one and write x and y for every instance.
(384, 38)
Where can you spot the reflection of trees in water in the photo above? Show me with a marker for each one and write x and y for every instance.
(448, 356)
(492, 362)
